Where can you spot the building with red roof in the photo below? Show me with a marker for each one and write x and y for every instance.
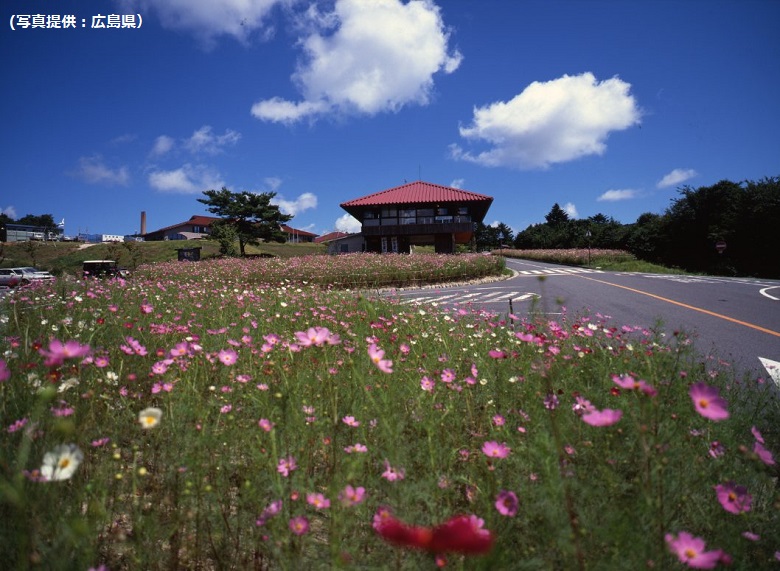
(418, 213)
(198, 227)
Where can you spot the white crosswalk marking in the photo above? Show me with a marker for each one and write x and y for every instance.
(559, 272)
(480, 297)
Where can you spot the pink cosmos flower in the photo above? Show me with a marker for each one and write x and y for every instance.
(447, 376)
(286, 465)
(498, 420)
(5, 373)
(763, 454)
(59, 351)
(757, 435)
(582, 405)
(716, 449)
(350, 421)
(318, 501)
(299, 525)
(506, 503)
(270, 511)
(493, 449)
(551, 401)
(159, 368)
(606, 417)
(146, 308)
(708, 402)
(352, 496)
(629, 383)
(377, 357)
(357, 448)
(265, 424)
(227, 356)
(690, 550)
(427, 384)
(392, 474)
(733, 498)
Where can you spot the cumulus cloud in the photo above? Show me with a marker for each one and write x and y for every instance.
(209, 19)
(348, 223)
(162, 145)
(94, 171)
(571, 210)
(305, 201)
(9, 211)
(204, 141)
(676, 177)
(458, 183)
(550, 122)
(621, 194)
(188, 179)
(365, 58)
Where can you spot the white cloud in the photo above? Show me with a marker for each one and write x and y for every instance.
(204, 141)
(366, 58)
(273, 183)
(208, 19)
(94, 171)
(676, 177)
(615, 195)
(458, 183)
(550, 122)
(187, 179)
(348, 223)
(571, 210)
(9, 211)
(305, 201)
(162, 145)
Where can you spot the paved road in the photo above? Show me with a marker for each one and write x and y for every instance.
(737, 319)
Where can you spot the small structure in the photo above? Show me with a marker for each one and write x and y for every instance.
(418, 213)
(188, 254)
(295, 236)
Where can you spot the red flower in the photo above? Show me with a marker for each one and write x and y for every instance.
(460, 534)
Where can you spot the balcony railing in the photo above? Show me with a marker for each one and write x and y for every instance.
(410, 229)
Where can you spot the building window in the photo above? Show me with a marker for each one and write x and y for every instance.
(384, 244)
(389, 213)
(394, 244)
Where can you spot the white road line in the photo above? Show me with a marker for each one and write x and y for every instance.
(765, 294)
(773, 368)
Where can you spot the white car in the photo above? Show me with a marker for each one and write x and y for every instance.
(13, 277)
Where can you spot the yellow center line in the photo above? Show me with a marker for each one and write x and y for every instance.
(685, 305)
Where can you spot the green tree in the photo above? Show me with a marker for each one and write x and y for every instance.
(225, 234)
(557, 216)
(252, 215)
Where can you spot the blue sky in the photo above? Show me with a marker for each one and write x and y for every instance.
(601, 106)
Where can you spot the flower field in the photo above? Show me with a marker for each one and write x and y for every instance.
(571, 256)
(254, 415)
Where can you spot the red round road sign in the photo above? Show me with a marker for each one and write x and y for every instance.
(720, 245)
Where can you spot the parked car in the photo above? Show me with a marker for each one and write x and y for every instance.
(103, 269)
(14, 277)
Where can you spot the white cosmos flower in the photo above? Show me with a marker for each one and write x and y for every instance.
(149, 417)
(61, 463)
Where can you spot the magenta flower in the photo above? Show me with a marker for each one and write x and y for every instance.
(227, 356)
(270, 511)
(350, 421)
(551, 401)
(357, 448)
(506, 503)
(757, 435)
(690, 550)
(493, 449)
(318, 501)
(286, 465)
(733, 498)
(352, 496)
(299, 525)
(59, 351)
(392, 474)
(377, 357)
(447, 376)
(763, 454)
(265, 424)
(606, 417)
(317, 336)
(708, 402)
(629, 383)
(427, 384)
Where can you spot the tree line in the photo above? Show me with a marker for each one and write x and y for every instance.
(739, 218)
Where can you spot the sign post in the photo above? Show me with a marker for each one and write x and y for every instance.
(720, 246)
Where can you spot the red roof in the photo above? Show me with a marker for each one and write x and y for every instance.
(290, 230)
(196, 220)
(330, 236)
(417, 193)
